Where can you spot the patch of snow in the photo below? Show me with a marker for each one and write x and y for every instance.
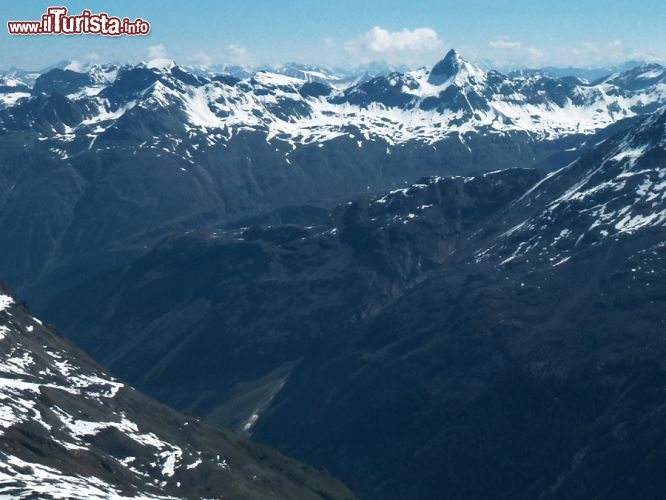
(5, 302)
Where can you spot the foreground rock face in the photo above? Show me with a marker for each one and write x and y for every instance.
(69, 430)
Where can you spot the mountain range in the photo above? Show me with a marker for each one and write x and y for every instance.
(446, 282)
(153, 149)
(418, 335)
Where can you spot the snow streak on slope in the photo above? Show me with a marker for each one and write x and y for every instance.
(39, 481)
(70, 431)
(29, 370)
(601, 197)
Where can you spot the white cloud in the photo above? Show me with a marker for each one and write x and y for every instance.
(157, 52)
(202, 58)
(238, 55)
(534, 52)
(506, 52)
(585, 54)
(75, 65)
(404, 46)
(505, 44)
(232, 54)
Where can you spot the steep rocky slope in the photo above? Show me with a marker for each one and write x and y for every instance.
(69, 430)
(491, 336)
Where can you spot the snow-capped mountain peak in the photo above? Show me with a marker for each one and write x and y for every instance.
(162, 64)
(454, 68)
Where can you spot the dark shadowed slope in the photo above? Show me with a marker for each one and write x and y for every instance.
(498, 336)
(68, 430)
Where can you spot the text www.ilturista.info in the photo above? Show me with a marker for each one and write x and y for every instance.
(57, 22)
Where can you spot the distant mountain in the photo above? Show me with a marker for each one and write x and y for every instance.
(585, 74)
(312, 73)
(98, 165)
(289, 107)
(69, 430)
(494, 336)
(239, 72)
(338, 78)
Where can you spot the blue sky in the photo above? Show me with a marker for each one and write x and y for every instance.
(503, 33)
